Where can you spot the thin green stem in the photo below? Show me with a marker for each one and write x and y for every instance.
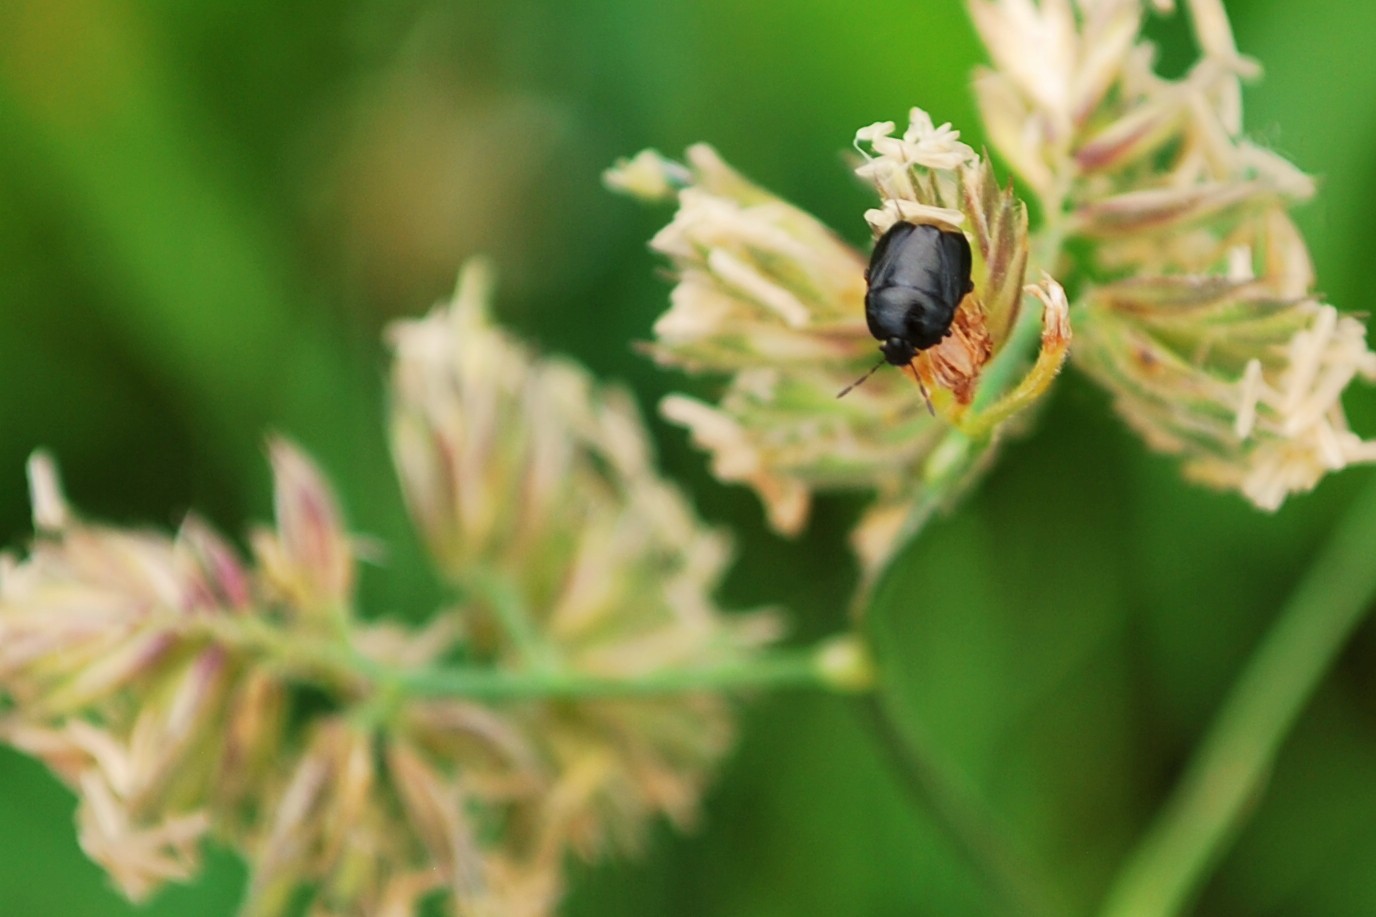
(939, 790)
(781, 669)
(1000, 376)
(334, 666)
(1229, 768)
(959, 449)
(936, 787)
(498, 594)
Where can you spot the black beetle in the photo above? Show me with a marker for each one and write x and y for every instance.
(917, 276)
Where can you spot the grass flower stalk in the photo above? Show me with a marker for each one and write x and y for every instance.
(1231, 764)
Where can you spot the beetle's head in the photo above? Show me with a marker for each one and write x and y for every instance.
(898, 351)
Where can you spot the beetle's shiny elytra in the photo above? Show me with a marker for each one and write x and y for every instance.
(917, 277)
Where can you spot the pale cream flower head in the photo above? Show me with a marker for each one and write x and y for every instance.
(536, 490)
(1200, 318)
(163, 677)
(518, 462)
(768, 296)
(1192, 303)
(890, 163)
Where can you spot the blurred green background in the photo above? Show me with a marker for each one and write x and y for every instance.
(209, 211)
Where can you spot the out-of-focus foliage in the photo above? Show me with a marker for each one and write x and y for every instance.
(209, 211)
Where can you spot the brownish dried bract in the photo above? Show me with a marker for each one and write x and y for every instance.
(955, 363)
(998, 237)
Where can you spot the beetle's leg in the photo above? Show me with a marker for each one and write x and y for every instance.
(912, 370)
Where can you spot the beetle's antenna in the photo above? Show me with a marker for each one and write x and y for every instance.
(843, 392)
